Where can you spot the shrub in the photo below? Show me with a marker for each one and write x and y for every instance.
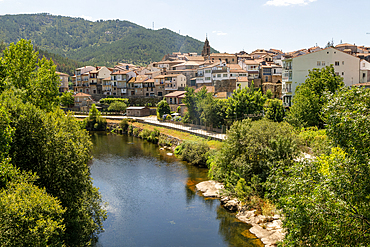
(135, 132)
(124, 124)
(108, 101)
(195, 153)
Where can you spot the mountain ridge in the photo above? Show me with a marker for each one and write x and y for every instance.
(96, 43)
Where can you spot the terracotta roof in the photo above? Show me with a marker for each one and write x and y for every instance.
(251, 62)
(175, 94)
(60, 73)
(362, 84)
(82, 95)
(222, 55)
(210, 89)
(150, 80)
(221, 95)
(195, 58)
(159, 77)
(121, 72)
(344, 44)
(106, 79)
(242, 79)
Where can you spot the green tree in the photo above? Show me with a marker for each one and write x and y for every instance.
(28, 215)
(274, 110)
(163, 108)
(58, 150)
(117, 106)
(67, 99)
(190, 101)
(347, 116)
(311, 96)
(325, 202)
(36, 78)
(253, 148)
(244, 102)
(94, 121)
(20, 61)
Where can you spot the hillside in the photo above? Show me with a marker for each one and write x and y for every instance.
(63, 64)
(95, 43)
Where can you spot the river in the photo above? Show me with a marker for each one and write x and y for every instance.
(152, 199)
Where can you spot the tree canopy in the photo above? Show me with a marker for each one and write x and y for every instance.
(311, 96)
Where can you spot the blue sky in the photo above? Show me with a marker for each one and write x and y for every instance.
(231, 25)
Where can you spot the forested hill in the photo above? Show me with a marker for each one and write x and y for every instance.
(64, 64)
(95, 43)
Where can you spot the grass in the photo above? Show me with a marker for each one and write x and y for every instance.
(213, 144)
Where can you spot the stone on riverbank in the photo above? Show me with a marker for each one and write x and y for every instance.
(268, 229)
(210, 188)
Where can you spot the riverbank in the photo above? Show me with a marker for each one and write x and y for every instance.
(183, 136)
(267, 228)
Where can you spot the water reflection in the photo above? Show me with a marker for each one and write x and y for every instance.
(152, 199)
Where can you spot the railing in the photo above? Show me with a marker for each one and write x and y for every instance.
(287, 90)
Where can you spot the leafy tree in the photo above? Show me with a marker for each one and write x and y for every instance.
(244, 102)
(253, 148)
(67, 99)
(190, 101)
(55, 147)
(37, 79)
(117, 106)
(274, 110)
(311, 96)
(28, 215)
(163, 108)
(94, 121)
(325, 202)
(347, 116)
(20, 61)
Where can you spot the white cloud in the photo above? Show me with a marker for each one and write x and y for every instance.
(219, 33)
(288, 2)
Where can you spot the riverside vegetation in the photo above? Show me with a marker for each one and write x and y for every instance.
(46, 193)
(324, 200)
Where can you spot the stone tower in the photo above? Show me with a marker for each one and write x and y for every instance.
(206, 49)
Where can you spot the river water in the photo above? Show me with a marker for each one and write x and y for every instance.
(152, 199)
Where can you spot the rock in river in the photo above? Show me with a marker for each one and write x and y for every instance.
(210, 188)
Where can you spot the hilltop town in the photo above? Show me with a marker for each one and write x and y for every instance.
(220, 73)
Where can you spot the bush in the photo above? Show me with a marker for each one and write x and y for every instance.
(253, 149)
(117, 106)
(135, 132)
(195, 153)
(124, 124)
(108, 101)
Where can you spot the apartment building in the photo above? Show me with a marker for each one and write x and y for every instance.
(295, 69)
(63, 87)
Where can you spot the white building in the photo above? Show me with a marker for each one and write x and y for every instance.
(295, 70)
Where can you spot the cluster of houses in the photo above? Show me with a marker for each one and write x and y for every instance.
(220, 73)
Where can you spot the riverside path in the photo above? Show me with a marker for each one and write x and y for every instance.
(172, 125)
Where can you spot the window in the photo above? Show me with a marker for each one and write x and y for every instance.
(208, 71)
(218, 75)
(337, 73)
(266, 78)
(318, 63)
(342, 62)
(342, 73)
(363, 65)
(208, 78)
(323, 63)
(224, 75)
(336, 63)
(363, 75)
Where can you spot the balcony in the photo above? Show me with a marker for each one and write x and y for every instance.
(286, 90)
